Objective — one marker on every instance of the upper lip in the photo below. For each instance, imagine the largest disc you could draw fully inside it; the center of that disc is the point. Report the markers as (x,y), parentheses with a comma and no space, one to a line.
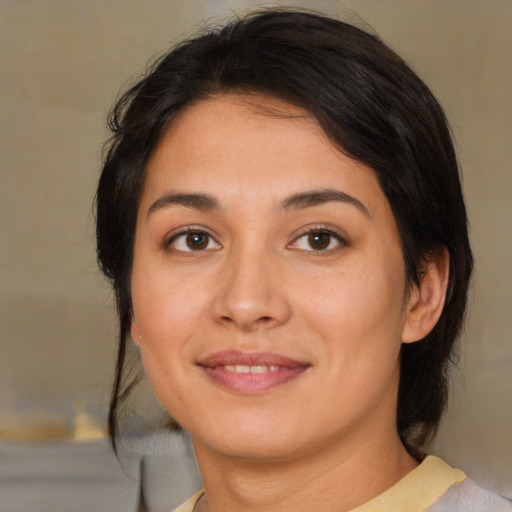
(236,357)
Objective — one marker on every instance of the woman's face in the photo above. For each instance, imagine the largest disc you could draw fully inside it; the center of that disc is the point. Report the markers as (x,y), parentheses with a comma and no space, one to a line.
(268,283)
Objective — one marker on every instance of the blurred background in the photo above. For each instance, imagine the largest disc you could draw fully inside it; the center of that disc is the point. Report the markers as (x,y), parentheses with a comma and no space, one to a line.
(62,65)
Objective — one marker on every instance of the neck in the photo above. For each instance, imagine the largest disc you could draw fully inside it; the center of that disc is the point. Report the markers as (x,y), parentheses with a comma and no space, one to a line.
(337,478)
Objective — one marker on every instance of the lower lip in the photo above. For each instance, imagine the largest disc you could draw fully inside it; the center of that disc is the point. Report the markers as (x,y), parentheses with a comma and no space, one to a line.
(252,383)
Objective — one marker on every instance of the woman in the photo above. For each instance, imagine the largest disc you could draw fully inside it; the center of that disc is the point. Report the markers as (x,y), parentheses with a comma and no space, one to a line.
(281,217)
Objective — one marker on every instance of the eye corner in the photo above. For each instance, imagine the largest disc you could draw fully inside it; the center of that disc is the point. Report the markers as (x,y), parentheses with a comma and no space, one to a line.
(191,241)
(318,240)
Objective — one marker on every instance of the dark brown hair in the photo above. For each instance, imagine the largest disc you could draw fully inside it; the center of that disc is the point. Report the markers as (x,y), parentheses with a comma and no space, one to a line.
(371,105)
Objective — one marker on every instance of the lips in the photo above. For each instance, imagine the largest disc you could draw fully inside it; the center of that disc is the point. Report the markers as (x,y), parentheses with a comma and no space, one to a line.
(251,372)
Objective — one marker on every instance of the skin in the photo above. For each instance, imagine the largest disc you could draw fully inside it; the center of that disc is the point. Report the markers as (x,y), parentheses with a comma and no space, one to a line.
(258,284)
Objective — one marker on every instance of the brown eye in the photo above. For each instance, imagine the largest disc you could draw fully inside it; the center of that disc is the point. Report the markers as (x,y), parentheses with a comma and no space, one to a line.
(197,241)
(193,241)
(319,241)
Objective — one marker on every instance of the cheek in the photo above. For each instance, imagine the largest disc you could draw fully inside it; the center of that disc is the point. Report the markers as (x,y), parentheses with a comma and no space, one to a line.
(167,315)
(171,309)
(358,312)
(161,296)
(358,298)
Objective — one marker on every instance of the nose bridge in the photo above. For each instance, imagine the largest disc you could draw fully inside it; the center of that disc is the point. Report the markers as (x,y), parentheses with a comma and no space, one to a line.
(250,293)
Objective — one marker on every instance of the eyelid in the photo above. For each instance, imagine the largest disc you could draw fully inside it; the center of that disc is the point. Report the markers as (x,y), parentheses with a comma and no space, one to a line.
(186,230)
(323,229)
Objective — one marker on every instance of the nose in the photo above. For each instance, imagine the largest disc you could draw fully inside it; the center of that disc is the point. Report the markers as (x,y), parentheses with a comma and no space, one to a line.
(251,295)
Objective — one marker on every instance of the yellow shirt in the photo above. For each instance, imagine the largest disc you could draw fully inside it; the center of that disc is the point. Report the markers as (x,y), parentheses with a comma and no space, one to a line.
(416,492)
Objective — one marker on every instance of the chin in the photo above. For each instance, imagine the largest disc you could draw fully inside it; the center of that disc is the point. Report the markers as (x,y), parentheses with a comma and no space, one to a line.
(255,448)
(247,437)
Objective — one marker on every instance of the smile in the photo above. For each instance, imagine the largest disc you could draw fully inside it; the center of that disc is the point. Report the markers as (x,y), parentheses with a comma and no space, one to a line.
(249,372)
(260,368)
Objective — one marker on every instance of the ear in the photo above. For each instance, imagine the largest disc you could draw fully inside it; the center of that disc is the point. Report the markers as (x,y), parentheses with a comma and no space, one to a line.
(136,337)
(426,301)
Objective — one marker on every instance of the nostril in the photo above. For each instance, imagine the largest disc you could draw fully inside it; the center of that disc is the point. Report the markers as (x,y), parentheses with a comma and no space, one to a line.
(265,320)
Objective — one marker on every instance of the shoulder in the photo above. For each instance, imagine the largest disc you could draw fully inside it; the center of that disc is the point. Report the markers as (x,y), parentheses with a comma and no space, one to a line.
(467,496)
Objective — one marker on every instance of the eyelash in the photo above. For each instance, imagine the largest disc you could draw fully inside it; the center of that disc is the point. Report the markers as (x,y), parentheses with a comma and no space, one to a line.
(190,231)
(321,230)
(308,232)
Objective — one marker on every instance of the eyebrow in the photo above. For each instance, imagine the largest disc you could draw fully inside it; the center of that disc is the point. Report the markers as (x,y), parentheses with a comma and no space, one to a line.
(299,201)
(313,198)
(203,202)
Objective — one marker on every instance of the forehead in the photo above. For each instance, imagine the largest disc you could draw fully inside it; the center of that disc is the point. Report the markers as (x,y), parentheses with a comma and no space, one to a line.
(251,145)
(220,127)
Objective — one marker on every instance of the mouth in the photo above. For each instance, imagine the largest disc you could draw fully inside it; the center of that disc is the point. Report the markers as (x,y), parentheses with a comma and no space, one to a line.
(257,368)
(251,372)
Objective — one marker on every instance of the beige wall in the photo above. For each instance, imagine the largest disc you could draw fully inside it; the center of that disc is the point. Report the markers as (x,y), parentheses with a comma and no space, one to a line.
(62,64)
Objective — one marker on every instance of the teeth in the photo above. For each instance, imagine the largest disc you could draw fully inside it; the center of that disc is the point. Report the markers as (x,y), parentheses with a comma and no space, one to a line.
(259,368)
